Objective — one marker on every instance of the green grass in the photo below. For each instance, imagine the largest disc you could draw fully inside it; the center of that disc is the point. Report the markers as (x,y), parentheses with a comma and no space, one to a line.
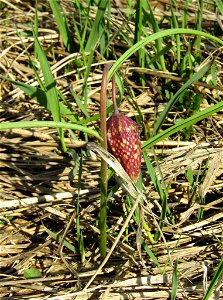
(49,124)
(216,277)
(175,279)
(62,24)
(153,44)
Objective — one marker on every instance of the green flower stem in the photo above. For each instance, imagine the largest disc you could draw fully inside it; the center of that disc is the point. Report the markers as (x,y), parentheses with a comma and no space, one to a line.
(104,177)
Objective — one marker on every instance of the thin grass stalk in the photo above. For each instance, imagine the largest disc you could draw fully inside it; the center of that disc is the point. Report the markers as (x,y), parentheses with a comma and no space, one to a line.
(36,23)
(162,191)
(86,76)
(104,177)
(183,124)
(175,279)
(81,31)
(159,41)
(185,15)
(138,35)
(216,277)
(160,34)
(205,68)
(199,25)
(175,24)
(79,232)
(164,203)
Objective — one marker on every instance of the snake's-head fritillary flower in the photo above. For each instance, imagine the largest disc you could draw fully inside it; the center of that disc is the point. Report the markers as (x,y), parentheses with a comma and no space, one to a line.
(124,143)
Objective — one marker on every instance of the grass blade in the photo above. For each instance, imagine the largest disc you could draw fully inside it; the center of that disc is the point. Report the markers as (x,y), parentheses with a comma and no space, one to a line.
(170,104)
(217,275)
(50,85)
(174,281)
(51,91)
(98,26)
(153,176)
(62,25)
(219,5)
(49,124)
(177,38)
(154,37)
(162,194)
(183,124)
(41,97)
(159,41)
(79,103)
(152,256)
(57,237)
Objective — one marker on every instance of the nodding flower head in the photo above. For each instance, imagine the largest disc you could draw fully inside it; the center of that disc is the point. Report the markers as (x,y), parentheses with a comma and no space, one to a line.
(124,143)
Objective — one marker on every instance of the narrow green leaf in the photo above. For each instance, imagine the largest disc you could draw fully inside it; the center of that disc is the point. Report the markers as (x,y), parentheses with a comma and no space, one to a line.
(190,176)
(51,90)
(152,256)
(153,176)
(178,42)
(41,97)
(79,103)
(183,124)
(36,21)
(217,275)
(32,91)
(50,124)
(86,76)
(219,5)
(154,37)
(138,21)
(62,25)
(174,281)
(159,41)
(185,14)
(170,104)
(214,73)
(57,237)
(98,26)
(50,85)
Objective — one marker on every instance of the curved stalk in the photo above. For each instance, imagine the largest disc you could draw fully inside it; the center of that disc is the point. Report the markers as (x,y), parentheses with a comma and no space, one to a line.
(49,124)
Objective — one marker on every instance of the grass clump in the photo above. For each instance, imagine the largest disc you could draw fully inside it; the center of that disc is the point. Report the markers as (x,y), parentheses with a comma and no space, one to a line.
(164,233)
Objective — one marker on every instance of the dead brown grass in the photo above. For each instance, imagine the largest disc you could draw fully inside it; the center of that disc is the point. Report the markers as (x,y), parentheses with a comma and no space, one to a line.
(38,199)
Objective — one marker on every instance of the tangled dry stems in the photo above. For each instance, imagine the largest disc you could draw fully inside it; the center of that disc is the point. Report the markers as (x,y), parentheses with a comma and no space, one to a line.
(38,198)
